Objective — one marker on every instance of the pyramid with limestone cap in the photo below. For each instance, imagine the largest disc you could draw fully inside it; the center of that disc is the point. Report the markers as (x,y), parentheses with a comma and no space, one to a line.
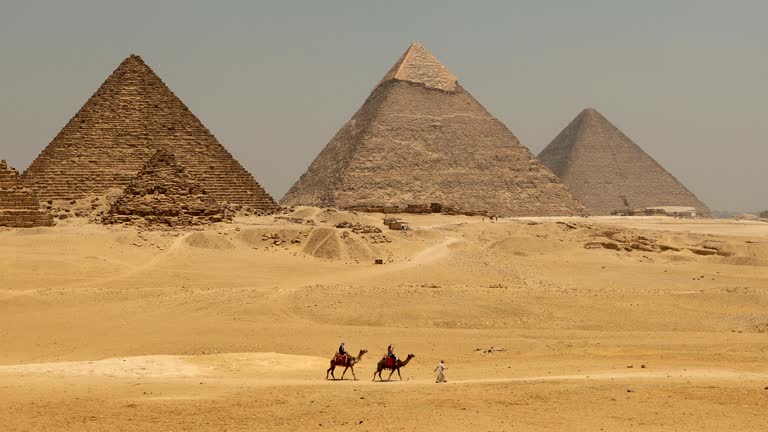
(163,193)
(118,129)
(420,138)
(19,206)
(608,172)
(419,66)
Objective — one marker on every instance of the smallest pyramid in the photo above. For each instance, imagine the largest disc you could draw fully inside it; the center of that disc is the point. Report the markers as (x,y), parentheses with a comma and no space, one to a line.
(418,65)
(19,207)
(162,193)
(608,172)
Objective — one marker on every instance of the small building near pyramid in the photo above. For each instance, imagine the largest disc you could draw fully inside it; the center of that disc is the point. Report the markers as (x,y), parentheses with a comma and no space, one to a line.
(19,207)
(164,194)
(422,141)
(611,174)
(116,132)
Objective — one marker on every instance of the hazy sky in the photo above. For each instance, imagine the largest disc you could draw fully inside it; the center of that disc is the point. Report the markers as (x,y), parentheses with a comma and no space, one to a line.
(686,80)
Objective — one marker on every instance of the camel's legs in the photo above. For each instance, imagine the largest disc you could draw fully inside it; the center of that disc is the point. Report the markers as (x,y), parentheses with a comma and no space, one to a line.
(345,371)
(377,371)
(330,369)
(353,373)
(398,374)
(390,374)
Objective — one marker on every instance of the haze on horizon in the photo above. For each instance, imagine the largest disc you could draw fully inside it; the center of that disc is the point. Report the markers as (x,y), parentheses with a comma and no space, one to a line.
(274,81)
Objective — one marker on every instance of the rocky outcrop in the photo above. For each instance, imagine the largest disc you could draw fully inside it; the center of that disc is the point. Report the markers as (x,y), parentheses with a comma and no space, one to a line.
(164,194)
(120,127)
(19,206)
(610,173)
(420,138)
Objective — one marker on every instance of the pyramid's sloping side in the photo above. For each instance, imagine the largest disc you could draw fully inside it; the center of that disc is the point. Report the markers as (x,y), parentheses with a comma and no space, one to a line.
(410,144)
(108,141)
(607,171)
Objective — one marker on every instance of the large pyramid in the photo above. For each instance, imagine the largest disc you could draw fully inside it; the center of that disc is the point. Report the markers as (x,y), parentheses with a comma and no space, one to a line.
(163,193)
(18,205)
(421,138)
(608,172)
(114,134)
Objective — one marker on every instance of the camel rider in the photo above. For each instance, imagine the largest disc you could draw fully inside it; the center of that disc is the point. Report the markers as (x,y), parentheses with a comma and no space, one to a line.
(391,353)
(342,351)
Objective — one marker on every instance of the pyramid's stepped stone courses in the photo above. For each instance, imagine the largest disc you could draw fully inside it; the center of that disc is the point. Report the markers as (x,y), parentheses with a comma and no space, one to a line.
(111,138)
(415,142)
(609,172)
(19,206)
(163,193)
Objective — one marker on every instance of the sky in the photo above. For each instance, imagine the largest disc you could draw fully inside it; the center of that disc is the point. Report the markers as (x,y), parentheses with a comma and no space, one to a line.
(275,80)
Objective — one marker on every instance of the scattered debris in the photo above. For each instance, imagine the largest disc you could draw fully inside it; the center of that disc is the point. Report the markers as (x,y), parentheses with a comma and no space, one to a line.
(359,228)
(568,226)
(296,220)
(490,350)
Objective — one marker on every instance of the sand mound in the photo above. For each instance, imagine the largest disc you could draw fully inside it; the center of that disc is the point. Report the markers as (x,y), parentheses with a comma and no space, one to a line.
(511,245)
(33,231)
(127,238)
(323,243)
(126,367)
(744,260)
(208,240)
(305,212)
(330,243)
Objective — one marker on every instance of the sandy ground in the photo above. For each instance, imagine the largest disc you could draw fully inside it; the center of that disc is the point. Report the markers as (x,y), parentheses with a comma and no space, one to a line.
(231,328)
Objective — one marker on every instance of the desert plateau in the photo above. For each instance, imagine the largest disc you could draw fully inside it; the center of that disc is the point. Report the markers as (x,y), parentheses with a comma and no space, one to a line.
(581,324)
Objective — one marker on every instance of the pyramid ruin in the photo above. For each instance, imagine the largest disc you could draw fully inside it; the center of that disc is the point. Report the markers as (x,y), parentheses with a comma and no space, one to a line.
(19,207)
(420,138)
(118,129)
(608,172)
(164,194)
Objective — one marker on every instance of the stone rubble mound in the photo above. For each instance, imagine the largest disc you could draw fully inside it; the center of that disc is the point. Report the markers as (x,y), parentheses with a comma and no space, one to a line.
(629,241)
(163,193)
(19,207)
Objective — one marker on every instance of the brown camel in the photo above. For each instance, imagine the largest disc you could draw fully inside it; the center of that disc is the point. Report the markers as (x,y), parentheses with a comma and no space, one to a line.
(349,362)
(398,364)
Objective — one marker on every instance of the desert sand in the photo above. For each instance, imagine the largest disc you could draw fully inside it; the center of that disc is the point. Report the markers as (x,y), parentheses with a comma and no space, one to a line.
(232,327)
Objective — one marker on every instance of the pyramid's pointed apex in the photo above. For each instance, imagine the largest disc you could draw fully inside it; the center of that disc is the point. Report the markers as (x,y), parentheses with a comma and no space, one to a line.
(593,113)
(133,62)
(418,65)
(132,59)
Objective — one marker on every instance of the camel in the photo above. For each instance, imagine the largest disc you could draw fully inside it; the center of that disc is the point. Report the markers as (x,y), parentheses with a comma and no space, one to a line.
(398,364)
(348,363)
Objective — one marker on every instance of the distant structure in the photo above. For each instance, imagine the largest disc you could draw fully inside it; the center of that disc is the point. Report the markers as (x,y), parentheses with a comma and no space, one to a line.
(19,207)
(118,129)
(609,173)
(673,211)
(164,194)
(420,139)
